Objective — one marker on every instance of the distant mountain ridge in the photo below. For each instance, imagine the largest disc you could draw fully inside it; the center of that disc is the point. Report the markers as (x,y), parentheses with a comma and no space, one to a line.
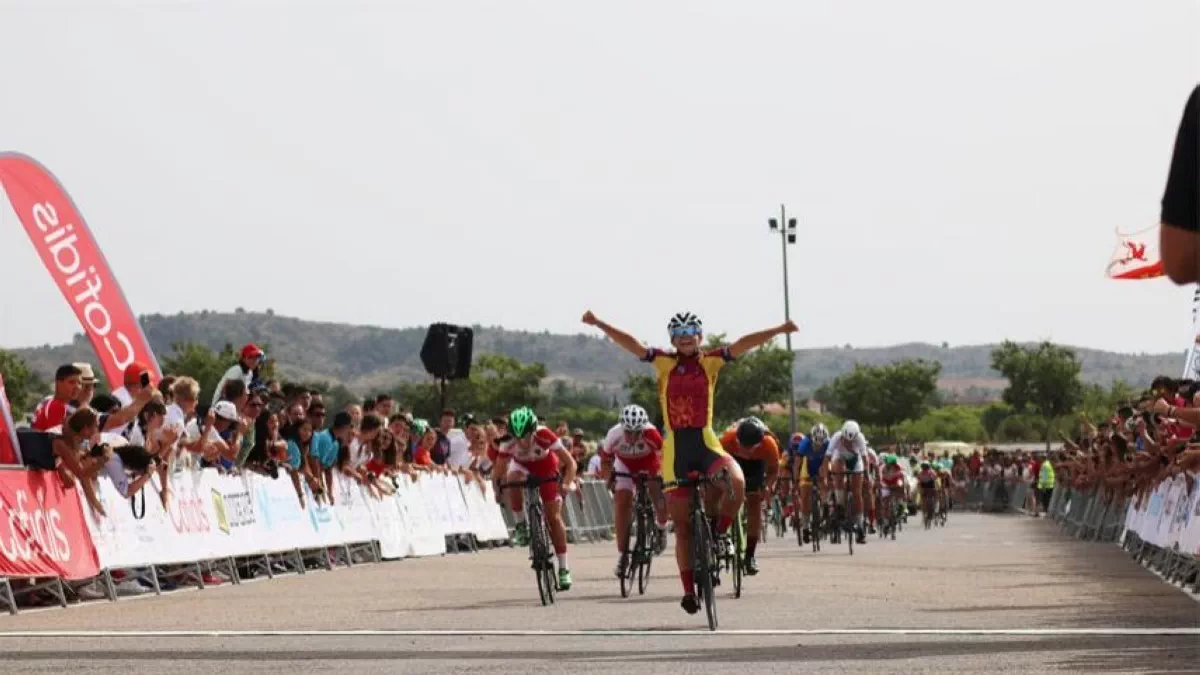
(368,358)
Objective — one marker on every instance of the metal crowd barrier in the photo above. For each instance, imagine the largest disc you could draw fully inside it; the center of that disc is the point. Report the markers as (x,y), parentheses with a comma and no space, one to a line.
(1099,515)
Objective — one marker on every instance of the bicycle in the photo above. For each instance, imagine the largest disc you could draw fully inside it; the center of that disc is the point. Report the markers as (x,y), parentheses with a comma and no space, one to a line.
(734,560)
(644,533)
(817,519)
(844,512)
(777,518)
(541,553)
(705,556)
(928,501)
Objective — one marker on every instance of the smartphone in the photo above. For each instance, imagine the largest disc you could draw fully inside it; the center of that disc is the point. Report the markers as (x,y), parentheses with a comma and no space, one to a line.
(145,379)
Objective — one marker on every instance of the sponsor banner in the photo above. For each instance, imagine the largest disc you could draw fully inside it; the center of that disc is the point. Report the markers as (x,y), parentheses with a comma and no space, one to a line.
(209,515)
(1169,517)
(71,256)
(42,531)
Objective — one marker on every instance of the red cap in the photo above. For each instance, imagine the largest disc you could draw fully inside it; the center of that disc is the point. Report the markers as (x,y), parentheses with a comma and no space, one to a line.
(133,372)
(251,351)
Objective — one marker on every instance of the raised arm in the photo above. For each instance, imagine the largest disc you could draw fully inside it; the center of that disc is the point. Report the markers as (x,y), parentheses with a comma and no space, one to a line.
(624,340)
(748,342)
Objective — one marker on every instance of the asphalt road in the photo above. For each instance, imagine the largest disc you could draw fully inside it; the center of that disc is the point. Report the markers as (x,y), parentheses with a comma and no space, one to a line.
(996,573)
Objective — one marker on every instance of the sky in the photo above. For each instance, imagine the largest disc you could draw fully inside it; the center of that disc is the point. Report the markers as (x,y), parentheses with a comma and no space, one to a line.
(958,169)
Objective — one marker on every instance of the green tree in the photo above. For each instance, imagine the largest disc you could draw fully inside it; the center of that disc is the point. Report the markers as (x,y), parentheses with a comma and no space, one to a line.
(952,423)
(1042,379)
(22,386)
(992,417)
(497,384)
(642,389)
(884,396)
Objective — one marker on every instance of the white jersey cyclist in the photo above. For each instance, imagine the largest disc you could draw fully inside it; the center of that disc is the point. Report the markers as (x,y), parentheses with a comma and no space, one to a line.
(634,452)
(852,451)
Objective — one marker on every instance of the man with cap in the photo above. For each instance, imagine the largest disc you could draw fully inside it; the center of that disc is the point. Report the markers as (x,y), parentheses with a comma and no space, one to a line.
(222,433)
(245,369)
(137,380)
(87,384)
(118,419)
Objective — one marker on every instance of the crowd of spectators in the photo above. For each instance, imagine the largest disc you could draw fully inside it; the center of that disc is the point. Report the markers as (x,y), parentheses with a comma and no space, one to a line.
(259,425)
(1142,444)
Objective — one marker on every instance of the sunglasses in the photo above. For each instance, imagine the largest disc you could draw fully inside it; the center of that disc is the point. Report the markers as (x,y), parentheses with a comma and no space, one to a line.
(685,331)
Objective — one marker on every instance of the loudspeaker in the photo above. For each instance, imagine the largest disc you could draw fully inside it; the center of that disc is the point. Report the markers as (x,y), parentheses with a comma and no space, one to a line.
(446,353)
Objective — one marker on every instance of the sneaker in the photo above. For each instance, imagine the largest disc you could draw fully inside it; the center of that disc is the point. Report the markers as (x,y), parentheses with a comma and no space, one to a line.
(860,536)
(91,591)
(750,567)
(690,604)
(564,579)
(521,534)
(622,566)
(131,587)
(871,528)
(807,533)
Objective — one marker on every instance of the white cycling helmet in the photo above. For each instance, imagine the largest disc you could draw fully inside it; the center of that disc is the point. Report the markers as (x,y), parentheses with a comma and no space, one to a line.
(684,320)
(851,431)
(634,418)
(819,433)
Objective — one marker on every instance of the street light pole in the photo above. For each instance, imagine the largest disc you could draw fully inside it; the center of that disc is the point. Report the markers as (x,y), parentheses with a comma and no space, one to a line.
(787,235)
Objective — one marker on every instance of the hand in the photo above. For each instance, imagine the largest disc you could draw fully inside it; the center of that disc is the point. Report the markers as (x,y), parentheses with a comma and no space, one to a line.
(145,395)
(210,418)
(789,327)
(1161,407)
(590,319)
(243,425)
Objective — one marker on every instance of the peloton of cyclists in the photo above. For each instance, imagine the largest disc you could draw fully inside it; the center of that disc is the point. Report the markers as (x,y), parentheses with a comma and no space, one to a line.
(633,446)
(687,380)
(756,451)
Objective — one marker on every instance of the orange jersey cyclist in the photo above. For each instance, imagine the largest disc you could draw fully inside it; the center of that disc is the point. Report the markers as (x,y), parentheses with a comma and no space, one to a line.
(756,451)
(687,380)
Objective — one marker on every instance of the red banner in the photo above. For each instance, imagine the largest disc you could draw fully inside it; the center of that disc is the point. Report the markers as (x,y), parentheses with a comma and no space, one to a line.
(10,450)
(70,254)
(42,531)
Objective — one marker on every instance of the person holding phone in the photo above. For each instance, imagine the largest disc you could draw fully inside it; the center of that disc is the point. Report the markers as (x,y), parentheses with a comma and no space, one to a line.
(246,369)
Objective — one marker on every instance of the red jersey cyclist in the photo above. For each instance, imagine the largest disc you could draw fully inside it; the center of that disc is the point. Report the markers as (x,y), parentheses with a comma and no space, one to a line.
(533,450)
(632,447)
(687,380)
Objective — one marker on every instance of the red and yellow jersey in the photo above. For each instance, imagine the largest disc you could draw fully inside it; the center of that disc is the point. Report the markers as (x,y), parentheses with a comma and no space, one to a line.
(767,451)
(686,385)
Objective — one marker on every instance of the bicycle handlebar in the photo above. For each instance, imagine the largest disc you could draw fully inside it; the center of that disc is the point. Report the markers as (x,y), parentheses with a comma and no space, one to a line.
(638,476)
(530,481)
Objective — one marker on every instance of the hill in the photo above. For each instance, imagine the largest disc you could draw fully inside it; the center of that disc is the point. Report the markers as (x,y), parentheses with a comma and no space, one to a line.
(367,358)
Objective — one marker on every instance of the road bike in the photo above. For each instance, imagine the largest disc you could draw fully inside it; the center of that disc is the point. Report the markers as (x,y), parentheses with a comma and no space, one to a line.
(541,552)
(644,533)
(705,555)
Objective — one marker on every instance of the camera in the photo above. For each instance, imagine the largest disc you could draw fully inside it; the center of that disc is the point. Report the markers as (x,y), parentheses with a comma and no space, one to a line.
(145,379)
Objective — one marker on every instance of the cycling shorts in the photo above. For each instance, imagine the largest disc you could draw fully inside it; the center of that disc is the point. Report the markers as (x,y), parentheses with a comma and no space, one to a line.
(755,471)
(853,462)
(928,484)
(634,465)
(810,468)
(546,467)
(688,450)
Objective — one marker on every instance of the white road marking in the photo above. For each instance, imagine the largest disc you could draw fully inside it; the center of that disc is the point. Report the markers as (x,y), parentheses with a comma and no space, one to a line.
(597,633)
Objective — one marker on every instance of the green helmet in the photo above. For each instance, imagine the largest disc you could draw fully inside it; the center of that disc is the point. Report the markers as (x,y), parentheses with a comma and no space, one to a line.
(890,459)
(522,421)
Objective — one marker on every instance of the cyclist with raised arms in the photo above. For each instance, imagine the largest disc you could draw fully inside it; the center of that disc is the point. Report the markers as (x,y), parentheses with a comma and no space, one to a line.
(687,380)
(847,454)
(756,451)
(810,457)
(533,450)
(631,447)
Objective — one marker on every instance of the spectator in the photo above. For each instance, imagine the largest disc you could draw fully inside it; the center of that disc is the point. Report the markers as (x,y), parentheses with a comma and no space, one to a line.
(368,405)
(137,385)
(427,440)
(87,385)
(245,370)
(181,413)
(76,458)
(299,445)
(324,450)
(577,447)
(56,408)
(315,396)
(593,465)
(441,450)
(254,408)
(270,448)
(477,438)
(459,454)
(356,414)
(165,388)
(224,437)
(383,406)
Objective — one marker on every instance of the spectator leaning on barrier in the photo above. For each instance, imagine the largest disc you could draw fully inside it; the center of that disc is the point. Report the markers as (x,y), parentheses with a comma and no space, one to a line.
(54,409)
(245,370)
(76,458)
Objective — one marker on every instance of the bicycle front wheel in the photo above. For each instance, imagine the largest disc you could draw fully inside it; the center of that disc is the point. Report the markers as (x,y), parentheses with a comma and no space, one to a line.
(738,558)
(702,565)
(645,550)
(539,553)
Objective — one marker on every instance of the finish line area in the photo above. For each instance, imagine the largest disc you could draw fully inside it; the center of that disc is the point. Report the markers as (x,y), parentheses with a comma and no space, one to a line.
(986,594)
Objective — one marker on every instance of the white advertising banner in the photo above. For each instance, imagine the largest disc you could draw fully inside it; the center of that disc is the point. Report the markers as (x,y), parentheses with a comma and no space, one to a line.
(211,515)
(1169,516)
